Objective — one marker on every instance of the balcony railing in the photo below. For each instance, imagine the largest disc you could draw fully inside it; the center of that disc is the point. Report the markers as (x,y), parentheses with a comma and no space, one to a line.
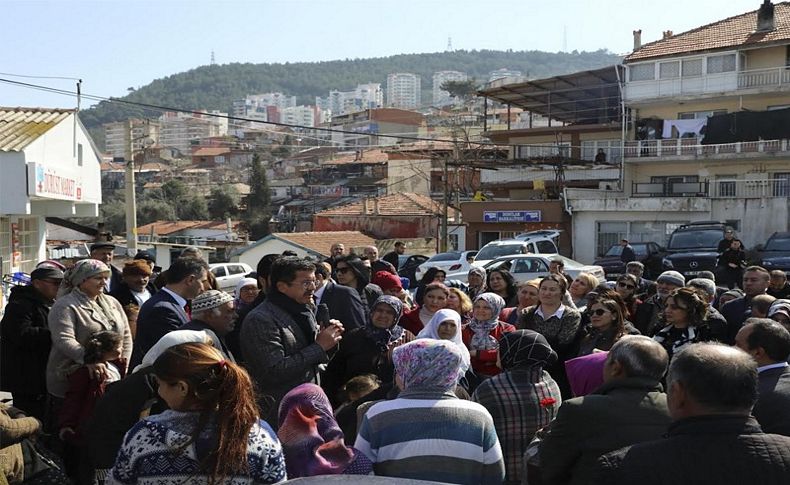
(691,148)
(669,189)
(715,189)
(758,78)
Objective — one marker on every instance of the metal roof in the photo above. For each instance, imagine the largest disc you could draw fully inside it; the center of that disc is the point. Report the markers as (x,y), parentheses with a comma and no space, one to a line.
(19,127)
(581,97)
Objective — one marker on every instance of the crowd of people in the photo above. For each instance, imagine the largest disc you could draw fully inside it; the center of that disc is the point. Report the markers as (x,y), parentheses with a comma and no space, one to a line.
(143,376)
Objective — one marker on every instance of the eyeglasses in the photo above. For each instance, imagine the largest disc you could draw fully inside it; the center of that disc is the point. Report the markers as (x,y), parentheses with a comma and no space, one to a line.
(250,289)
(623,285)
(343,270)
(306,284)
(599,312)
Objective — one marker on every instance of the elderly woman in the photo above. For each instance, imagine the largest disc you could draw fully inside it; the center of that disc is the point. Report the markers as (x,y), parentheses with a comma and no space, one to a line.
(427,433)
(607,326)
(684,316)
(367,350)
(435,299)
(527,297)
(523,398)
(482,334)
(83,310)
(245,294)
(581,286)
(312,441)
(476,279)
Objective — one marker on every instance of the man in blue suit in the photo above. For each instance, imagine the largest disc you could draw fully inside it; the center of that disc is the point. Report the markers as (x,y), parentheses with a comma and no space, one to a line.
(167,309)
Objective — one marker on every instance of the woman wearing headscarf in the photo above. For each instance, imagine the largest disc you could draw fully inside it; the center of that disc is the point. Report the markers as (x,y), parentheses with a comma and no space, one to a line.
(83,310)
(483,332)
(435,299)
(446,325)
(367,350)
(523,398)
(312,441)
(245,294)
(456,443)
(476,282)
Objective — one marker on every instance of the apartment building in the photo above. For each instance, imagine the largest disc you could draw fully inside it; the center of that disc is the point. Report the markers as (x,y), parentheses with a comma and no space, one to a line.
(441,97)
(116,136)
(364,96)
(403,90)
(708,135)
(180,130)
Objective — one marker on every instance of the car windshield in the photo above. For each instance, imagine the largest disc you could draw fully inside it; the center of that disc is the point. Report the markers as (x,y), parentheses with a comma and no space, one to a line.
(495,251)
(697,239)
(451,256)
(617,250)
(778,244)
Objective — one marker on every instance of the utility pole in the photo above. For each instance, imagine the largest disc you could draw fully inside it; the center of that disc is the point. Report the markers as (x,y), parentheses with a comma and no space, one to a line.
(131,202)
(445,199)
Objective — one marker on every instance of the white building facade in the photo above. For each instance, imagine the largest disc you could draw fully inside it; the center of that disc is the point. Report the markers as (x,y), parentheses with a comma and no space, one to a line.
(441,97)
(403,90)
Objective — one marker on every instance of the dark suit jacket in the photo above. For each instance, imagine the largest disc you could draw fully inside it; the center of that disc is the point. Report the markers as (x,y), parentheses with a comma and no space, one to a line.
(773,404)
(619,413)
(158,316)
(736,312)
(116,278)
(345,305)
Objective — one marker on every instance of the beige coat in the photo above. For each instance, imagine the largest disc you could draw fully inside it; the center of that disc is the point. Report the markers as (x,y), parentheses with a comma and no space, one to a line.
(72,320)
(14,427)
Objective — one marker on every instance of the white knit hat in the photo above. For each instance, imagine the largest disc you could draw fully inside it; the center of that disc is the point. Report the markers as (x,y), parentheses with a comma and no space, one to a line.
(209,300)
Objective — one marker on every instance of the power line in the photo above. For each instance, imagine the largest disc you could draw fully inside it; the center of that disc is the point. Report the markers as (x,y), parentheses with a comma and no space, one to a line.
(28,76)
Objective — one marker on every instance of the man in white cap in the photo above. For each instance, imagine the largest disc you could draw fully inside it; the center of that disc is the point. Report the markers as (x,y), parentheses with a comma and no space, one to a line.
(213,310)
(648,313)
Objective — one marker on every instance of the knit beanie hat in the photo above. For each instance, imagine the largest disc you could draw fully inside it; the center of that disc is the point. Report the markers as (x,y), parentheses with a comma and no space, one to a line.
(673,278)
(209,300)
(387,281)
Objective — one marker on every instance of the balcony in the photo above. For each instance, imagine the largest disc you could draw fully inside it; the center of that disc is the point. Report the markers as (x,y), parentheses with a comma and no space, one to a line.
(669,189)
(690,148)
(716,189)
(774,79)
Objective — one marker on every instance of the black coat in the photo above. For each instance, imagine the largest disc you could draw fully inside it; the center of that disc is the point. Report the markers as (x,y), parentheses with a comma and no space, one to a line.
(24,342)
(773,405)
(158,316)
(721,450)
(345,305)
(736,312)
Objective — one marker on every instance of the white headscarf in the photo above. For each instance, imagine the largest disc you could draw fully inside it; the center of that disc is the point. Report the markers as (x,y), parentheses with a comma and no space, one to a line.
(177,337)
(431,330)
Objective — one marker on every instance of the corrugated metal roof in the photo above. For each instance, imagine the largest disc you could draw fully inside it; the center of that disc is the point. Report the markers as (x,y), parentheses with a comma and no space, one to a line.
(19,127)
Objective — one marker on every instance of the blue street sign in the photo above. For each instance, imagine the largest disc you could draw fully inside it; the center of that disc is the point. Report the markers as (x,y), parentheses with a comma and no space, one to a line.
(511,216)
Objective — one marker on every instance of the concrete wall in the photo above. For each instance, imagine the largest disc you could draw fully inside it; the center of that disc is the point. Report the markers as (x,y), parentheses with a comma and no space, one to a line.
(759,217)
(276,246)
(766,58)
(670,108)
(409,176)
(381,227)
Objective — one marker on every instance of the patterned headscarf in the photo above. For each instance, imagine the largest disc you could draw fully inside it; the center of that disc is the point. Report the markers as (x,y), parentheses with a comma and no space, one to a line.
(384,336)
(477,290)
(524,349)
(82,270)
(481,339)
(431,330)
(428,365)
(312,441)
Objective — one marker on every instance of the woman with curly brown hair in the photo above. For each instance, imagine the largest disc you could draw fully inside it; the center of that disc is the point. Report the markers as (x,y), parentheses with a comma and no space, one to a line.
(607,326)
(211,434)
(684,316)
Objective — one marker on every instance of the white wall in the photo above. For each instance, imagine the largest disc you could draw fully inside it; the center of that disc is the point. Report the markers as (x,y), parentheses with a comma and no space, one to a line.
(759,217)
(276,246)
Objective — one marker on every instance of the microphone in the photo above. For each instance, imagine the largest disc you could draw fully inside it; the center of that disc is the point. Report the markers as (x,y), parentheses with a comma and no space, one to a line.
(322,315)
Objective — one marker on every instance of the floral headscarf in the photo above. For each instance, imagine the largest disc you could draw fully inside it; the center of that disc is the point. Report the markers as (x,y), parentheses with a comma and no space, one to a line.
(312,441)
(474,291)
(431,330)
(525,349)
(384,336)
(82,270)
(428,365)
(481,338)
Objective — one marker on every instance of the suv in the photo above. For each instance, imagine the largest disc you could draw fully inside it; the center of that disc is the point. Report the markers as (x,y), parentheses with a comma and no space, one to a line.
(648,253)
(537,242)
(229,274)
(776,252)
(693,248)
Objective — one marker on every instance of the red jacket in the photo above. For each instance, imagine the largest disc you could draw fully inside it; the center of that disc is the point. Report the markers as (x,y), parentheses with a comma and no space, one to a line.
(485,360)
(411,321)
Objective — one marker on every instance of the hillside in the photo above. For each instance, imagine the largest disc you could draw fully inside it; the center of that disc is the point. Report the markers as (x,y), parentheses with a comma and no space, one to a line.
(215,87)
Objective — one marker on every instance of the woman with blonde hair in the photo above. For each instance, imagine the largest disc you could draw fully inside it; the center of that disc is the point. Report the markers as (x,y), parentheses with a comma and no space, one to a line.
(460,302)
(581,286)
(211,434)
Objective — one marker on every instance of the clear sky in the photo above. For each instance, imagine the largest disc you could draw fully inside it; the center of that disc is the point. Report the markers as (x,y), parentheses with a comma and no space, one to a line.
(115,44)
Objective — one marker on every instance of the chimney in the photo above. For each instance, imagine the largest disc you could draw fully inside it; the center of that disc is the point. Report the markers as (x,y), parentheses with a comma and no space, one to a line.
(667,34)
(765,17)
(637,39)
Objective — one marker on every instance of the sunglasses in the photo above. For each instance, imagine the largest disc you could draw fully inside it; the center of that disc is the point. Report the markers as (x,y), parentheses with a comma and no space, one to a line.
(343,270)
(599,312)
(623,285)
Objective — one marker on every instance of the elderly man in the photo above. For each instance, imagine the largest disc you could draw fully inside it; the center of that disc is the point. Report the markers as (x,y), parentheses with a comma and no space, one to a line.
(712,439)
(760,305)
(779,288)
(376,264)
(648,315)
(706,288)
(213,311)
(104,252)
(630,401)
(755,282)
(637,269)
(768,342)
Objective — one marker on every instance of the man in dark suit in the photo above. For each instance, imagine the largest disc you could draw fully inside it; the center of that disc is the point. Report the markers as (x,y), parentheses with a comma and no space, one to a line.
(167,309)
(343,302)
(628,254)
(755,282)
(768,342)
(711,389)
(104,251)
(628,408)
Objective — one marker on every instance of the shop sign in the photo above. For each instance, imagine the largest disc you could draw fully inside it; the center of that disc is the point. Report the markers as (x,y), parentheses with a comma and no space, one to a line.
(53,183)
(512,216)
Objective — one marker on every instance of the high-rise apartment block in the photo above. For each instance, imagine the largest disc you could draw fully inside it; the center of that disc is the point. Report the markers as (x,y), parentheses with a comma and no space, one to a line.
(403,90)
(179,130)
(116,136)
(441,97)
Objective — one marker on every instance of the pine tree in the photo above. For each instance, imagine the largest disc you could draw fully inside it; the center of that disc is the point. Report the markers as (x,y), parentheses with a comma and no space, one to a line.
(258,211)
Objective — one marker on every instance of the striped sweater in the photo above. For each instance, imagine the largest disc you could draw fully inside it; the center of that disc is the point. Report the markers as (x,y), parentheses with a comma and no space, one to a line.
(432,436)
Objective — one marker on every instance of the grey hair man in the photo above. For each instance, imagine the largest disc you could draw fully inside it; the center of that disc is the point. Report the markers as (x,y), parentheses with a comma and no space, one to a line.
(713,438)
(716,322)
(630,401)
(213,310)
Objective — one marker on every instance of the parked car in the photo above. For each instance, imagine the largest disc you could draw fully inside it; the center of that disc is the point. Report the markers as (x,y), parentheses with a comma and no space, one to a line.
(229,274)
(648,253)
(407,265)
(776,252)
(525,267)
(450,261)
(693,248)
(526,244)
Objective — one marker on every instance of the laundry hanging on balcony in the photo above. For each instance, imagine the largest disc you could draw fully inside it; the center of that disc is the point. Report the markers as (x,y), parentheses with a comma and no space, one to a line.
(685,128)
(748,126)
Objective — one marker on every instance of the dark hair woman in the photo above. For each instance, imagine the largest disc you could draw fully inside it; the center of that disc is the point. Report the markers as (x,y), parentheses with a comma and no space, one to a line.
(731,264)
(211,434)
(626,287)
(607,325)
(684,317)
(432,275)
(434,299)
(501,282)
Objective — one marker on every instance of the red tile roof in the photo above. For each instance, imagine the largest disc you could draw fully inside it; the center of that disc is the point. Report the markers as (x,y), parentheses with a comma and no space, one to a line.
(210,152)
(163,228)
(368,157)
(728,33)
(320,242)
(403,204)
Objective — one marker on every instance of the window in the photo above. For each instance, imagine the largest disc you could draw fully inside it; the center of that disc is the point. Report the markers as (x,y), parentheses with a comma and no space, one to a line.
(525,152)
(726,187)
(692,68)
(723,63)
(5,245)
(236,269)
(219,271)
(79,154)
(610,233)
(669,70)
(643,72)
(610,147)
(546,247)
(782,185)
(28,243)
(691,115)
